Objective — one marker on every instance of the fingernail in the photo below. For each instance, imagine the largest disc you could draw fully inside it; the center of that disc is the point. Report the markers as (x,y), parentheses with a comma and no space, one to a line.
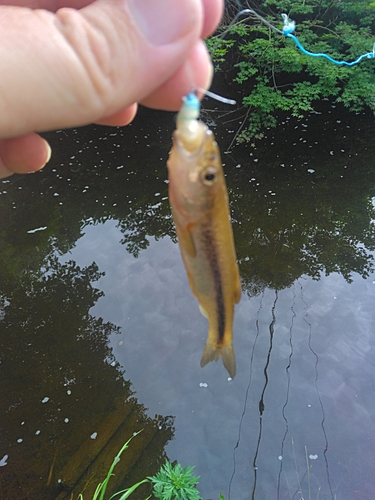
(210,75)
(49,152)
(163,21)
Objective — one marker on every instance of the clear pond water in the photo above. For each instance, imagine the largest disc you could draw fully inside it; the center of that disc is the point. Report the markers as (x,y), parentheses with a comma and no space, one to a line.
(101,337)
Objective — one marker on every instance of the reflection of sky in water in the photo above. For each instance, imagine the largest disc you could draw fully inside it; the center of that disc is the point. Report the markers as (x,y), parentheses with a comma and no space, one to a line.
(304,355)
(305,358)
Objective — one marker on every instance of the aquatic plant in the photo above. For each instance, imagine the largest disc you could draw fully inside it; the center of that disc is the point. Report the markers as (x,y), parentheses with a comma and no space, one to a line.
(300,494)
(175,483)
(102,487)
(170,483)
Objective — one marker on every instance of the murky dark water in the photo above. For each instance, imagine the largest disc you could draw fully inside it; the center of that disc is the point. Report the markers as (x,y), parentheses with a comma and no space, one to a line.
(100,336)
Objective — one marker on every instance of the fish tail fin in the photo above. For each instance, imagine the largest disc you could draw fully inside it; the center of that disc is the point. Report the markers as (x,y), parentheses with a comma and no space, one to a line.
(213,353)
(229,361)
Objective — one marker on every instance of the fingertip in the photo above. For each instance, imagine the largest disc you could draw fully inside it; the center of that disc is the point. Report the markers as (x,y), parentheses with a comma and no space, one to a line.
(4,172)
(213,12)
(196,72)
(24,154)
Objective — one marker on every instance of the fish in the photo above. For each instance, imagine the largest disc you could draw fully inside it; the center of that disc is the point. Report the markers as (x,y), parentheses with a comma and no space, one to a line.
(200,208)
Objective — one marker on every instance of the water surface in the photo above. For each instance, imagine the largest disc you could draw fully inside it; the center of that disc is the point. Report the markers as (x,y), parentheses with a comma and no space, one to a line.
(101,337)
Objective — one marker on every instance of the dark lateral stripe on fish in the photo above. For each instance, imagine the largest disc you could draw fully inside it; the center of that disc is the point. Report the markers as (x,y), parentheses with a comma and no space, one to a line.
(208,239)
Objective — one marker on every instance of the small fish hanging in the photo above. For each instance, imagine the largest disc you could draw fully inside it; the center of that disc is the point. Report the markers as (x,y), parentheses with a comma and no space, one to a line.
(199,201)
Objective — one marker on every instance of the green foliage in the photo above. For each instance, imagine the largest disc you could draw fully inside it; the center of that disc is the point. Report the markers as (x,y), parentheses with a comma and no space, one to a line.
(175,483)
(170,483)
(218,49)
(277,77)
(102,487)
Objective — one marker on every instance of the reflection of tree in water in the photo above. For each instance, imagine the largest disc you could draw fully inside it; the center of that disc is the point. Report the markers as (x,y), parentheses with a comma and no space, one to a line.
(321,228)
(309,216)
(60,384)
(287,220)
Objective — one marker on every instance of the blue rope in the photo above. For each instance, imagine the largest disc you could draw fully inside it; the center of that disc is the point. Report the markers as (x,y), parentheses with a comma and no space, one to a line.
(289,27)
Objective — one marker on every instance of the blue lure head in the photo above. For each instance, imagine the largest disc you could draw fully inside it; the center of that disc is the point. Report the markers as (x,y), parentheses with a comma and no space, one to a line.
(190,108)
(192,102)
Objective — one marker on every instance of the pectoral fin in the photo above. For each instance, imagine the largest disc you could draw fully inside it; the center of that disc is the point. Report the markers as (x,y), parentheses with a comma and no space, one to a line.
(203,311)
(185,240)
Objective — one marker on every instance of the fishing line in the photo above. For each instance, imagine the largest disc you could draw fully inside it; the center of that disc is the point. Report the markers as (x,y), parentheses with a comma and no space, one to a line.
(238,131)
(251,12)
(191,104)
(217,97)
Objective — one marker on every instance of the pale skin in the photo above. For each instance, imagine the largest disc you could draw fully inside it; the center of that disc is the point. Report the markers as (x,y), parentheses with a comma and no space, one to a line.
(66,63)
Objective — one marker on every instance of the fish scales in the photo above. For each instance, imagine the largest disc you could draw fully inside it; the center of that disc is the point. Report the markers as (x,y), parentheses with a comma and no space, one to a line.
(200,208)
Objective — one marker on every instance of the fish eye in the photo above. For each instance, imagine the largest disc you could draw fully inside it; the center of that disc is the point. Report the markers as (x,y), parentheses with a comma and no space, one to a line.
(209,175)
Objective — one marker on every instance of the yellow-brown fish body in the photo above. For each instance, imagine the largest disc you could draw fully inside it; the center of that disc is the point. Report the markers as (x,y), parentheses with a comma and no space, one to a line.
(199,201)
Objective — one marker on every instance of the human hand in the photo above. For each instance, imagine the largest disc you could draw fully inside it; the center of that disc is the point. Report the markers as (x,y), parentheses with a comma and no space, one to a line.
(66,63)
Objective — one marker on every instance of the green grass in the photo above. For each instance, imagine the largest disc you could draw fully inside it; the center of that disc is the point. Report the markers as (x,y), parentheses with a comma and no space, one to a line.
(102,487)
(300,494)
(172,482)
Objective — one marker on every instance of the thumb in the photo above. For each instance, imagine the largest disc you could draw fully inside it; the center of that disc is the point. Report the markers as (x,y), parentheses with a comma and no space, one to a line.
(74,67)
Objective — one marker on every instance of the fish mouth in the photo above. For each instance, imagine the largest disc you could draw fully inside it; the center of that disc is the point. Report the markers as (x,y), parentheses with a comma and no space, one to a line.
(191,137)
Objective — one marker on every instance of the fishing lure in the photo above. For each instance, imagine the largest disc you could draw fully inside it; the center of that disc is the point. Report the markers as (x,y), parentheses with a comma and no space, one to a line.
(199,202)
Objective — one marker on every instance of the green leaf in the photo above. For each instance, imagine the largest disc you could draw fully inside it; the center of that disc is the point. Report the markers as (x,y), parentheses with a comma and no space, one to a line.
(276,75)
(175,483)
